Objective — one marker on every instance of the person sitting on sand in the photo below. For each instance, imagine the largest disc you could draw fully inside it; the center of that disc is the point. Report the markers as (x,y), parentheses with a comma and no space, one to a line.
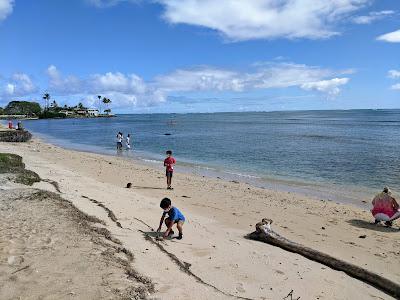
(174,217)
(169,163)
(385,208)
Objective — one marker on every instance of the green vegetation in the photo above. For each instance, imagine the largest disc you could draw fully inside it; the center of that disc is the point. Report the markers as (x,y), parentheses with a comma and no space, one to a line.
(51,109)
(11,163)
(107,102)
(48,114)
(22,108)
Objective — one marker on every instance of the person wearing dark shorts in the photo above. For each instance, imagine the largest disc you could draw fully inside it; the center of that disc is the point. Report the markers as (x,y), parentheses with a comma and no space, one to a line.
(169,163)
(174,217)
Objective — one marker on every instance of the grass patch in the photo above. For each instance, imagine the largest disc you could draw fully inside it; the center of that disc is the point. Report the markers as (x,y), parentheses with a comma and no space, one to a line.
(12,163)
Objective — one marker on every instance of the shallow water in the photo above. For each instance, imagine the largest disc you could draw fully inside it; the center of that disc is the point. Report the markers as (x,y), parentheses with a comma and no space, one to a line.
(356,149)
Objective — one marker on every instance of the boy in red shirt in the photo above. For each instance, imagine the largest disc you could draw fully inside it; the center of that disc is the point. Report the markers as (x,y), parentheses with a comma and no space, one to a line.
(169,163)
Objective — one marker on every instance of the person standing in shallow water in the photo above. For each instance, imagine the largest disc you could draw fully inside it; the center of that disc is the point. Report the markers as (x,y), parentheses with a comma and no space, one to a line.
(120,137)
(169,163)
(128,141)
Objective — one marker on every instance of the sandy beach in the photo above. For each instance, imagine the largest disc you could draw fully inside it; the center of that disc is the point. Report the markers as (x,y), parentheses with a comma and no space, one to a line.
(214,260)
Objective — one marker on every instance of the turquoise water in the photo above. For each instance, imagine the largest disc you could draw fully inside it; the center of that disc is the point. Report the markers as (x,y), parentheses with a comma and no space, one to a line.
(358,148)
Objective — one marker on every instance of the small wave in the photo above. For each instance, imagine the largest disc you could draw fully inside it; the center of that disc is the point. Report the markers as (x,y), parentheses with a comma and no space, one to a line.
(206,168)
(151,160)
(242,175)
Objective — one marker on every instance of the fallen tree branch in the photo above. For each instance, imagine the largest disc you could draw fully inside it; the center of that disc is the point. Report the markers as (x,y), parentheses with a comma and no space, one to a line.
(265,234)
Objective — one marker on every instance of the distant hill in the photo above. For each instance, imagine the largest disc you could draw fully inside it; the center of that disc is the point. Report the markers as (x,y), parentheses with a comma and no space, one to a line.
(22,108)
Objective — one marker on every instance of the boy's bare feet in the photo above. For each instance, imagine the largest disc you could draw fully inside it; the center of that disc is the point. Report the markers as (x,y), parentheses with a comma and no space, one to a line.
(388,223)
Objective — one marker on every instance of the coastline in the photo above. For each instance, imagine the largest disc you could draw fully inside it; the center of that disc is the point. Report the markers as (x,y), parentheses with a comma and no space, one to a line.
(357,196)
(220,213)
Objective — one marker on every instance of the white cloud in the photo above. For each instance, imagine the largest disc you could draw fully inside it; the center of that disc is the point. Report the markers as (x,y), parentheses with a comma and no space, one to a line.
(200,79)
(63,85)
(6,8)
(9,89)
(396,86)
(373,16)
(107,3)
(123,90)
(265,76)
(263,19)
(394,74)
(19,84)
(131,90)
(331,86)
(391,37)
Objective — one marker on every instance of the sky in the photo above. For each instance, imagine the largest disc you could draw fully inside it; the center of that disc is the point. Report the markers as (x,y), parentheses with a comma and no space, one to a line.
(183,56)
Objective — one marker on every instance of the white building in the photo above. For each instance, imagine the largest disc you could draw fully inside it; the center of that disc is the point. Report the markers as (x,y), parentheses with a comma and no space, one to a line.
(92,112)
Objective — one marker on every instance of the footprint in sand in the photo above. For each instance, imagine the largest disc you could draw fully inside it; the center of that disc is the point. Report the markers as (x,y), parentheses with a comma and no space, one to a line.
(240,287)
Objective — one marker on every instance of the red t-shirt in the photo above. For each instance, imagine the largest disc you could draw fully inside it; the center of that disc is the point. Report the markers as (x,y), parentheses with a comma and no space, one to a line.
(169,163)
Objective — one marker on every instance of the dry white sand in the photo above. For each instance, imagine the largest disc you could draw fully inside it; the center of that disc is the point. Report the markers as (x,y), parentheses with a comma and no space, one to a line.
(219,214)
(51,250)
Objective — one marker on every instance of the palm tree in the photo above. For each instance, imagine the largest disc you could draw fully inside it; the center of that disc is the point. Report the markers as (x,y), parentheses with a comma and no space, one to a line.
(54,104)
(46,98)
(99,96)
(107,102)
(80,105)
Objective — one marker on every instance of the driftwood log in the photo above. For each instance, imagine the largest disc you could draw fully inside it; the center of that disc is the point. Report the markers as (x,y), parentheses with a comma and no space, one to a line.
(265,234)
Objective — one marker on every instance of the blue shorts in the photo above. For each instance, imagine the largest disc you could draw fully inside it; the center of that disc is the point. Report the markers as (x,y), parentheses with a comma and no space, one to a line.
(169,173)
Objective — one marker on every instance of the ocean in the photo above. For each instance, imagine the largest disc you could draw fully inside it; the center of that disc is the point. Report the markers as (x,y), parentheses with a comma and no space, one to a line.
(331,154)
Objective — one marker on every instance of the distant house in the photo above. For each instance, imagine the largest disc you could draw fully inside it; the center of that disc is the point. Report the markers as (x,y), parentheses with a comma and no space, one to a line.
(81,112)
(92,112)
(66,112)
(87,112)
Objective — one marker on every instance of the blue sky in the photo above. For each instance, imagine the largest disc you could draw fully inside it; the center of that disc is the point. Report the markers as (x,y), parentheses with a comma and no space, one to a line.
(202,55)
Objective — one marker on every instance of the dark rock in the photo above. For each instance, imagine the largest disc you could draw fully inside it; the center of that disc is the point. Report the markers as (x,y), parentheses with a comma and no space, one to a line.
(15,136)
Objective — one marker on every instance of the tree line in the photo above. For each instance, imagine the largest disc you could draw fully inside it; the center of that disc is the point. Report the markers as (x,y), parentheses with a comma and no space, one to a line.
(51,108)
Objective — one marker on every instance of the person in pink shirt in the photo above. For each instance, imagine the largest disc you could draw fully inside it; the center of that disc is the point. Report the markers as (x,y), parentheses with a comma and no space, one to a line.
(385,208)
(169,163)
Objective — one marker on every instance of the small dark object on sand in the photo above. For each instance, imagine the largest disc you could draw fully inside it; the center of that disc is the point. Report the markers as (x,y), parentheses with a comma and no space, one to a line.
(109,163)
(362,236)
(323,228)
(128,185)
(183,196)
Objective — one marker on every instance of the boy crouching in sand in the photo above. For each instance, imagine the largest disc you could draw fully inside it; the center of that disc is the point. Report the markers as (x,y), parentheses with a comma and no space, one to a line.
(174,217)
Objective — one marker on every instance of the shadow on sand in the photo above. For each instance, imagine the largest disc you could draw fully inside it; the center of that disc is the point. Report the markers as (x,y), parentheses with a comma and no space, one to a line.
(147,187)
(153,234)
(371,226)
